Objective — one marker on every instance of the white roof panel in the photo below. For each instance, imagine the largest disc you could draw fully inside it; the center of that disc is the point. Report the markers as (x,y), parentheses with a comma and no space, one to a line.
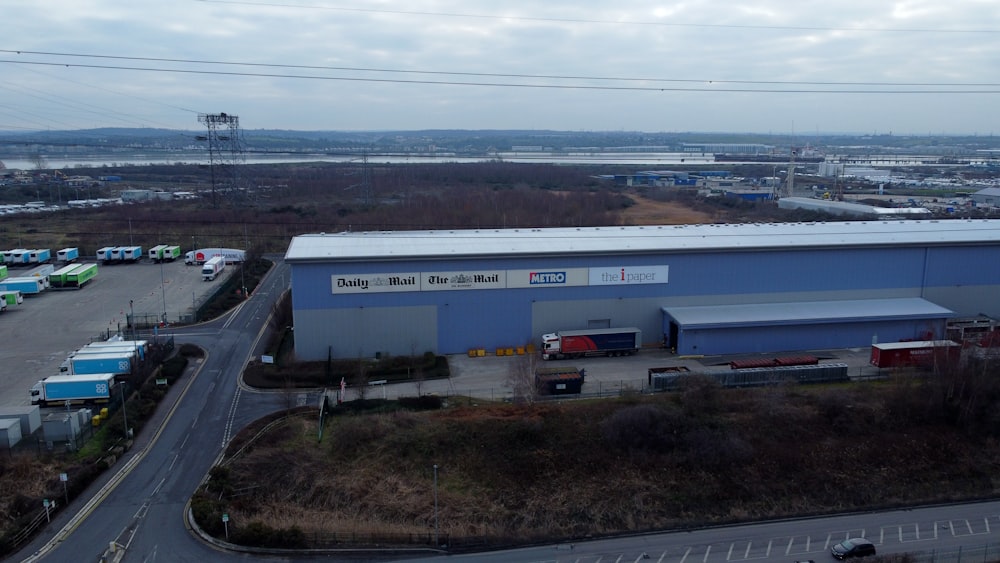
(756,314)
(402,245)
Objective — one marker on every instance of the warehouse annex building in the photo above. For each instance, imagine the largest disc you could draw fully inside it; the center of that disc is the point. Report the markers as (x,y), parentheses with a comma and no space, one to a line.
(700,289)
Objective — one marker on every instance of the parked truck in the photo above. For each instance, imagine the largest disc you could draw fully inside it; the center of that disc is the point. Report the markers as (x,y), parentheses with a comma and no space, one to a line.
(27,286)
(916,353)
(111,362)
(592,342)
(57,390)
(202,255)
(68,255)
(559,381)
(211,269)
(3,272)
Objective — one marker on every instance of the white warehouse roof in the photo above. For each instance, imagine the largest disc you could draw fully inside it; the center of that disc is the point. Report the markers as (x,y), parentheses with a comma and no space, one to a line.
(444,244)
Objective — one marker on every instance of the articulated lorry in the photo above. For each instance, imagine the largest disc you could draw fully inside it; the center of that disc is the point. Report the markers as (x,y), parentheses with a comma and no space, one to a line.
(202,255)
(57,390)
(593,342)
(211,269)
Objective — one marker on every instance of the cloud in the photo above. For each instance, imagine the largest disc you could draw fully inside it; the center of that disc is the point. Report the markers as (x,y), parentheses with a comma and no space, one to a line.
(696,65)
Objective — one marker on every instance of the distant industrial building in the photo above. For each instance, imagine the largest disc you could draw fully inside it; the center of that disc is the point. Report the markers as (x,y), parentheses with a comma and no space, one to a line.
(699,289)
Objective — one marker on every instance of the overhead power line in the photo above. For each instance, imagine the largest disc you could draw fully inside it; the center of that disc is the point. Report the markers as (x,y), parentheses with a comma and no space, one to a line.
(656,23)
(709,85)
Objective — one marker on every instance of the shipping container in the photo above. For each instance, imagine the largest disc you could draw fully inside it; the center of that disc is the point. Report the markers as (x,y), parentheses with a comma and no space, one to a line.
(917,353)
(559,381)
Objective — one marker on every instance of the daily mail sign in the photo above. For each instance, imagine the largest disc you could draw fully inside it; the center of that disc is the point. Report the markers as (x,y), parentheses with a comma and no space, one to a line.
(376,283)
(629,275)
(446,281)
(497,279)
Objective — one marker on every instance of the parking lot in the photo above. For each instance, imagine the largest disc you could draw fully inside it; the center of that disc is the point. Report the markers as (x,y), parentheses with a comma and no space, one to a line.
(39,333)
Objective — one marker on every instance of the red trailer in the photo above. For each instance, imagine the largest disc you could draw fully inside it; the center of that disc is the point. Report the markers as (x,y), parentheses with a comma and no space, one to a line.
(918,353)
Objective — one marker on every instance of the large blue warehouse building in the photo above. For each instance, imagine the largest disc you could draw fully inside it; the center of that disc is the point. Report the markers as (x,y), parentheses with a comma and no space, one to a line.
(701,289)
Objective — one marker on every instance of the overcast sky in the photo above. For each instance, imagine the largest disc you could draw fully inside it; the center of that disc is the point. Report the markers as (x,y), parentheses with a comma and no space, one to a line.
(802,66)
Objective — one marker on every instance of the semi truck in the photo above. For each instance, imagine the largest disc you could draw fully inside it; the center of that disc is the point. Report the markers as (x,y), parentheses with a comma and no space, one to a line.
(212,268)
(68,255)
(202,255)
(592,342)
(916,353)
(111,362)
(57,390)
(27,286)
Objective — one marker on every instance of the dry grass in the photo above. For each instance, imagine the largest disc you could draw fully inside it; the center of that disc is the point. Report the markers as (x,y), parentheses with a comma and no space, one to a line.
(562,471)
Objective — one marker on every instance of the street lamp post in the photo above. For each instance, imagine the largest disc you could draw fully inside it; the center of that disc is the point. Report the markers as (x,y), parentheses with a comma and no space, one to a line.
(131,317)
(436,536)
(163,291)
(124,414)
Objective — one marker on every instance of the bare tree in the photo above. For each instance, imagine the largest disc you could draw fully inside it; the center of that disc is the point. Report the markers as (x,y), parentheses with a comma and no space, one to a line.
(521,378)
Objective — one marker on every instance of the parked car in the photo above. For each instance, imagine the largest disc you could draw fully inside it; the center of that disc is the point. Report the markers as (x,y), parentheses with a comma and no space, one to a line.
(854,547)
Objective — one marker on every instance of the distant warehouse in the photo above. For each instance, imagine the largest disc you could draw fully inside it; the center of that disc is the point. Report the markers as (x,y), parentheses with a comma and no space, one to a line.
(700,289)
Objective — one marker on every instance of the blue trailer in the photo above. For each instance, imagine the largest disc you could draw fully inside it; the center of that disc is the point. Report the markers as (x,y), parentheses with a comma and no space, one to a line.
(27,286)
(57,390)
(104,254)
(40,256)
(68,255)
(17,257)
(119,363)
